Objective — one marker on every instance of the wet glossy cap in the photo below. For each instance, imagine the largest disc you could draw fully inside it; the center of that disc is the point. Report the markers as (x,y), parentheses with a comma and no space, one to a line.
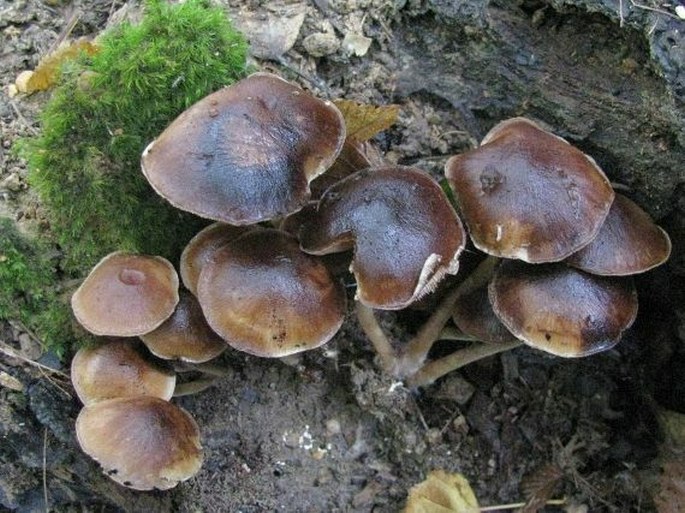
(185,335)
(628,243)
(562,310)
(246,153)
(266,297)
(200,249)
(119,368)
(126,295)
(405,234)
(527,194)
(141,442)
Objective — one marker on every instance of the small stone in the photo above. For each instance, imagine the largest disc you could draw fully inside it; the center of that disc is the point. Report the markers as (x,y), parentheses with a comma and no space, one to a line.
(434,436)
(30,349)
(356,44)
(333,427)
(12,183)
(321,44)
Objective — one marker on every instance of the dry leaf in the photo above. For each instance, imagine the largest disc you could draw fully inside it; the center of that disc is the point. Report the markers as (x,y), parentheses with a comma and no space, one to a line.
(442,493)
(539,486)
(45,74)
(364,121)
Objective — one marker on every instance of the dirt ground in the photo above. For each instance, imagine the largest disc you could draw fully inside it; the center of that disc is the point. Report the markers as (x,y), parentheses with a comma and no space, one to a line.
(328,432)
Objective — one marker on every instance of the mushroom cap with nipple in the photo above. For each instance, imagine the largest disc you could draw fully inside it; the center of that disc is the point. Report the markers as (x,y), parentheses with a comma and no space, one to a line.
(126,295)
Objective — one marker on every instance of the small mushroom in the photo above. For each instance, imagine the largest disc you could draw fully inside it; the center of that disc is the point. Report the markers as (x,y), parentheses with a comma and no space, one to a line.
(246,153)
(562,310)
(628,243)
(200,249)
(405,234)
(266,297)
(185,335)
(118,368)
(141,442)
(527,194)
(126,295)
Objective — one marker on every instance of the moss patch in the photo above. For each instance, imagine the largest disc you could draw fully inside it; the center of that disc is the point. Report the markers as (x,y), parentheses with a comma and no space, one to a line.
(106,109)
(29,288)
(85,165)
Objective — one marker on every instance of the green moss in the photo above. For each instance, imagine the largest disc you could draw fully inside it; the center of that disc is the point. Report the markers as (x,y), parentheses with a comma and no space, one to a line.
(106,109)
(85,165)
(29,288)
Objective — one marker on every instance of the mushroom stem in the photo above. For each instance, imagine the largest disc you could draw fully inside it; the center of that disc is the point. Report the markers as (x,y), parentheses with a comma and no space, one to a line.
(369,324)
(454,333)
(206,368)
(193,387)
(438,368)
(417,349)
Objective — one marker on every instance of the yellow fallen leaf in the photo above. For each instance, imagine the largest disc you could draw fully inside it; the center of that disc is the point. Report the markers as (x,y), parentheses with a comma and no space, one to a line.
(442,493)
(363,121)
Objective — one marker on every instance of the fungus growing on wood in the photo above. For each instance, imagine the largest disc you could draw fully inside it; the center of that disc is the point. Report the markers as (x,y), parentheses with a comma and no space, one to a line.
(527,194)
(266,297)
(246,153)
(562,310)
(126,295)
(405,234)
(141,442)
(628,243)
(118,368)
(185,335)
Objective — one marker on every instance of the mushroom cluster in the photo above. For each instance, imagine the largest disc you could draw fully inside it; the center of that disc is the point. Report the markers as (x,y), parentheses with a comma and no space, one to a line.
(561,244)
(299,206)
(127,424)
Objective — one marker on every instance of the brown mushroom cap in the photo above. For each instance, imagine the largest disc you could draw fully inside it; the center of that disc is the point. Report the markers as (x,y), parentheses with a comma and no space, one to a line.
(200,249)
(141,442)
(245,153)
(528,194)
(119,368)
(266,297)
(473,314)
(562,310)
(406,236)
(185,335)
(126,295)
(628,243)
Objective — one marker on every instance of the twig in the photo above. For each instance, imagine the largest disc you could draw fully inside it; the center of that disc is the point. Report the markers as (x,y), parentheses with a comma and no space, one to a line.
(654,9)
(12,353)
(45,469)
(620,13)
(516,505)
(21,118)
